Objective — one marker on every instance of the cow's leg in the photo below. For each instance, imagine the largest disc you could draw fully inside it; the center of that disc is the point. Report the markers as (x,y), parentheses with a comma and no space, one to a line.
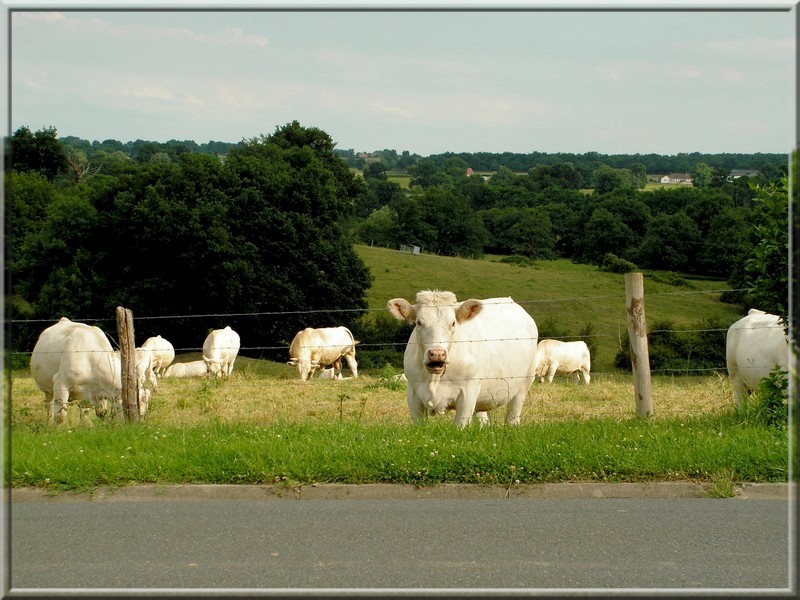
(483,418)
(551,372)
(60,399)
(514,409)
(465,404)
(415,406)
(739,389)
(49,408)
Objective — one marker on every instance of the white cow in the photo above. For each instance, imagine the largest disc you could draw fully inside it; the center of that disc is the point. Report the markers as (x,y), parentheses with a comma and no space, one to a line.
(754,346)
(163,353)
(471,356)
(219,351)
(76,361)
(195,368)
(313,349)
(555,356)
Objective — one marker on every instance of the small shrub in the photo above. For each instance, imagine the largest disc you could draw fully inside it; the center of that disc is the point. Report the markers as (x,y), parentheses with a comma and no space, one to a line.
(671,278)
(699,346)
(516,259)
(387,379)
(20,360)
(770,403)
(614,264)
(549,328)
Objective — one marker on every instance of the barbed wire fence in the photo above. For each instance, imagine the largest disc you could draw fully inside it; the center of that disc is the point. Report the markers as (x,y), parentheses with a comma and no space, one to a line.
(541,390)
(272,345)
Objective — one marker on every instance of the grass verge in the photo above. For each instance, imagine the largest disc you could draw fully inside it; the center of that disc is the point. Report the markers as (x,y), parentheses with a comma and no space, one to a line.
(716,448)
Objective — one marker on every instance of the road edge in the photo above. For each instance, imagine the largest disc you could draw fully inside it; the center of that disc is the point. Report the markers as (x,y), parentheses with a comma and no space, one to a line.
(378,491)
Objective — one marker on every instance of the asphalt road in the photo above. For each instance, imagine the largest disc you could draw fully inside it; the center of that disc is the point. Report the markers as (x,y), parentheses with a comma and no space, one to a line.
(402,546)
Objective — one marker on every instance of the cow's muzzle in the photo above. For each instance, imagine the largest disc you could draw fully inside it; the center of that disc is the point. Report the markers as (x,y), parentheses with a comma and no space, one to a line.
(436,362)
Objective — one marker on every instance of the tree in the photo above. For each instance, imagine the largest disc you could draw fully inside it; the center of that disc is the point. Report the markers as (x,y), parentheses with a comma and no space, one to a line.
(725,243)
(499,223)
(671,243)
(702,175)
(379,228)
(441,221)
(40,151)
(259,233)
(533,234)
(608,179)
(766,272)
(503,177)
(79,166)
(563,175)
(376,170)
(603,233)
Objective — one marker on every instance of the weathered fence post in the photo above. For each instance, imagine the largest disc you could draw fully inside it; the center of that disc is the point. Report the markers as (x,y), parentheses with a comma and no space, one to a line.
(127,350)
(637,335)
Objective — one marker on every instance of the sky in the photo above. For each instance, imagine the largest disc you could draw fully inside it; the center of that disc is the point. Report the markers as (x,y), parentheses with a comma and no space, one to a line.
(632,80)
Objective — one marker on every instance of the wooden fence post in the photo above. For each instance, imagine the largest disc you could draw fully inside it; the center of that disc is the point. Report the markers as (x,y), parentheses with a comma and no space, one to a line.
(637,335)
(127,348)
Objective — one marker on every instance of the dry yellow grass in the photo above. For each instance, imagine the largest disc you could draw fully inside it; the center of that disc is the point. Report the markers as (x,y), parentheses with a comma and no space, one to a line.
(264,394)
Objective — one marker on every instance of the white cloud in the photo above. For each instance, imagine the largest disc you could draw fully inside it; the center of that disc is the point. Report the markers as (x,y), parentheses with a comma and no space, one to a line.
(69,25)
(751,48)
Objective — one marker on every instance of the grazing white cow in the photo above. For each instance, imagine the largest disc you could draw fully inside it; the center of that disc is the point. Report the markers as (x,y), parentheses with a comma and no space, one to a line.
(219,351)
(471,356)
(313,349)
(163,353)
(555,356)
(186,370)
(754,346)
(75,361)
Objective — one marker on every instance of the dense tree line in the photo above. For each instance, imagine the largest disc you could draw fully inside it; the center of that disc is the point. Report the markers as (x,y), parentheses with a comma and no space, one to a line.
(588,162)
(258,232)
(545,214)
(267,225)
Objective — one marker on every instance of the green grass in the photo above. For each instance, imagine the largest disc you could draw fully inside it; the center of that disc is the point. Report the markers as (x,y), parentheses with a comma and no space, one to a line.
(560,291)
(349,452)
(264,426)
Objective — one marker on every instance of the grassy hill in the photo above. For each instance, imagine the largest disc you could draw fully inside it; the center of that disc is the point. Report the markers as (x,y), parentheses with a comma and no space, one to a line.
(558,294)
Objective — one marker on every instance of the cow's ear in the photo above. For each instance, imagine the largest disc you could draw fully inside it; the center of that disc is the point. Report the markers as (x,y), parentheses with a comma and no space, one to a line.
(402,310)
(468,309)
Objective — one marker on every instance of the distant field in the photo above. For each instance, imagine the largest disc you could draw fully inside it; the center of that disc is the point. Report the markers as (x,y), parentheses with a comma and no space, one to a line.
(568,294)
(402,179)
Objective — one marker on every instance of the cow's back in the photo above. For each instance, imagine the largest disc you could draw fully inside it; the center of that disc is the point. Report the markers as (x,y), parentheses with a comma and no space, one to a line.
(163,353)
(221,343)
(80,355)
(333,342)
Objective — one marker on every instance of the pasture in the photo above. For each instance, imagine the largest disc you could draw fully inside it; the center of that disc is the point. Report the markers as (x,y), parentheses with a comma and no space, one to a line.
(557,293)
(264,426)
